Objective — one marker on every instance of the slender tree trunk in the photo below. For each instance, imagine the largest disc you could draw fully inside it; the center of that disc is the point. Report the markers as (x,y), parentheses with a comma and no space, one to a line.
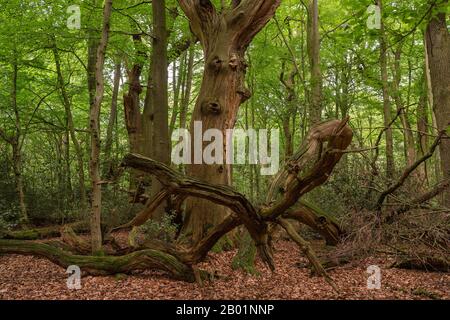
(390,163)
(435,131)
(68,169)
(108,164)
(186,99)
(94,163)
(178,82)
(17,148)
(93,43)
(71,126)
(438,49)
(313,44)
(289,85)
(410,150)
(422,128)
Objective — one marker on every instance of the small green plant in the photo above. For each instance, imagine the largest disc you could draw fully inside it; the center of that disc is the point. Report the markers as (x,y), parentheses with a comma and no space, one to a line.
(245,257)
(9,217)
(164,230)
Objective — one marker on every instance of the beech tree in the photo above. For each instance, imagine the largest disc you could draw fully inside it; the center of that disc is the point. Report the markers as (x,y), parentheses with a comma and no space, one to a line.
(438,50)
(225,35)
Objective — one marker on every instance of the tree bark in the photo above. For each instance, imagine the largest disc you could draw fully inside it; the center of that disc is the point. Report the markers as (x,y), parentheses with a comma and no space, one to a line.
(313,45)
(422,128)
(71,126)
(17,142)
(390,163)
(94,162)
(161,139)
(108,163)
(410,150)
(224,36)
(438,50)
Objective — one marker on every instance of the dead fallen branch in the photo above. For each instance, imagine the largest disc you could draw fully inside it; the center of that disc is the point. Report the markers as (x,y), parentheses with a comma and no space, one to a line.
(409,170)
(424,262)
(438,189)
(44,233)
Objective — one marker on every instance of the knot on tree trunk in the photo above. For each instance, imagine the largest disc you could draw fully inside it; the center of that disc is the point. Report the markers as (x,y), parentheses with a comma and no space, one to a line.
(211,107)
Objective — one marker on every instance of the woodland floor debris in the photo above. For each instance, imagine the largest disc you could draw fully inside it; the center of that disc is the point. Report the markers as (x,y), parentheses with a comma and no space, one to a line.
(26,277)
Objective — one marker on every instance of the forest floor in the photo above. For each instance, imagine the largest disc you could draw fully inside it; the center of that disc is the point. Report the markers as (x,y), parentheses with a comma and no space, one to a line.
(26,277)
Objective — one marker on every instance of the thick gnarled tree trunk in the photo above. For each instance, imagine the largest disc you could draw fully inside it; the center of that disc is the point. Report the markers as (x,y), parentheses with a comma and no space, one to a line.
(224,37)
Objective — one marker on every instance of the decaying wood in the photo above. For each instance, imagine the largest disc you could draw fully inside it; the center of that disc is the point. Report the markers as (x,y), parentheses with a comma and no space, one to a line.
(79,245)
(98,265)
(305,247)
(43,233)
(308,169)
(438,189)
(409,170)
(319,221)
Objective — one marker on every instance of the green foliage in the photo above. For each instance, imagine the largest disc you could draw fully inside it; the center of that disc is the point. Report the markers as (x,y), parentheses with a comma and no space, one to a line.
(351,86)
(164,230)
(245,257)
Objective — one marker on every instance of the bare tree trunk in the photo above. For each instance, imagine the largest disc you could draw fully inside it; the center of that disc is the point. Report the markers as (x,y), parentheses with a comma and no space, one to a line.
(68,170)
(390,164)
(224,36)
(438,49)
(313,44)
(435,131)
(410,150)
(94,163)
(422,128)
(178,83)
(108,164)
(186,98)
(161,142)
(17,143)
(71,126)
(289,113)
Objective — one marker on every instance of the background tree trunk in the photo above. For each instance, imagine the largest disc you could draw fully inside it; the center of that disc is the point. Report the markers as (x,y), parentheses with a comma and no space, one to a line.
(94,163)
(438,49)
(313,44)
(108,163)
(390,163)
(71,127)
(17,142)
